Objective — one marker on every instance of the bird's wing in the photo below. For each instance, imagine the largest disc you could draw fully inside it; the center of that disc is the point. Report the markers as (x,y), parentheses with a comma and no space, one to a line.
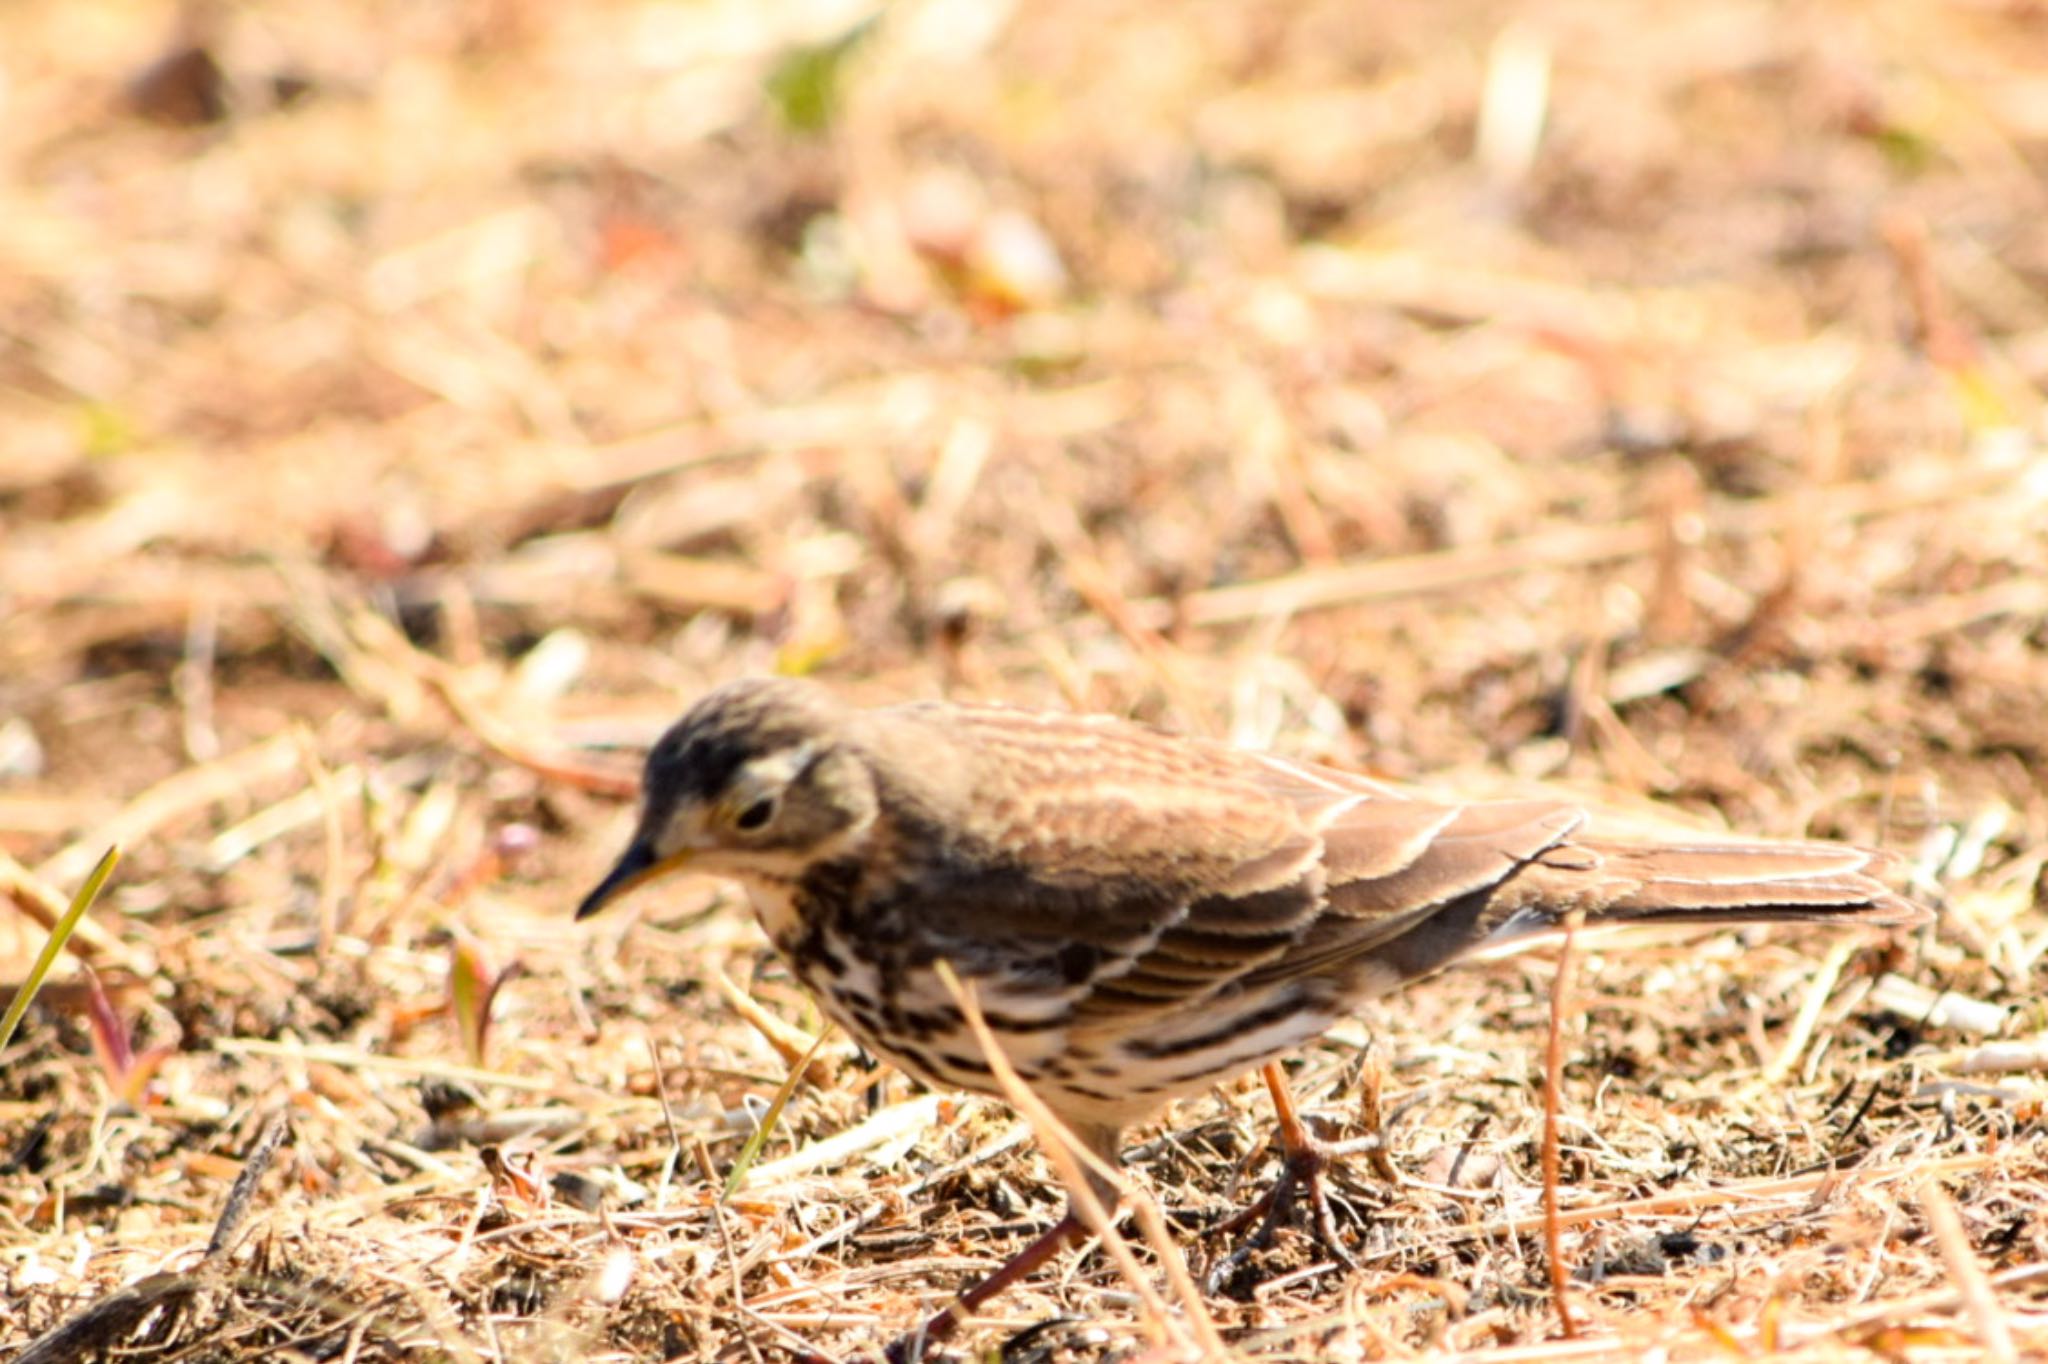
(1119,869)
(1496,873)
(1134,870)
(1408,874)
(1080,854)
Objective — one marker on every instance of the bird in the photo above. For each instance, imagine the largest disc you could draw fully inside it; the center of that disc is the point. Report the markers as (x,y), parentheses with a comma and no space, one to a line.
(1139,914)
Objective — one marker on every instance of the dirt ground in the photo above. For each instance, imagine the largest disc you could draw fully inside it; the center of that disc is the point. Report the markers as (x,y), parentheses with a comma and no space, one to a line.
(406,409)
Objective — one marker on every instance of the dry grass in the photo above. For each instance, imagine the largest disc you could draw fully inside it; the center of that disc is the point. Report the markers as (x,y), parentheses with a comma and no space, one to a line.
(404,409)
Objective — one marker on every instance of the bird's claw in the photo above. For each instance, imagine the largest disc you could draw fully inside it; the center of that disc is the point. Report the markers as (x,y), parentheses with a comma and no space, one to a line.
(1301,1181)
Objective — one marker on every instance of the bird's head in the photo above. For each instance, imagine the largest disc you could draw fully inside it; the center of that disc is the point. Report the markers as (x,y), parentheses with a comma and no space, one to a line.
(759,780)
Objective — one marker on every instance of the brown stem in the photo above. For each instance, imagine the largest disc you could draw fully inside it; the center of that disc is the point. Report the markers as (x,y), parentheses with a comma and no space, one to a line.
(1553,1078)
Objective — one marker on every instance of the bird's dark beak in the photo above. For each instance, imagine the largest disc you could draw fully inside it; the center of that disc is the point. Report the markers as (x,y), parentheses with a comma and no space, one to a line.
(637,864)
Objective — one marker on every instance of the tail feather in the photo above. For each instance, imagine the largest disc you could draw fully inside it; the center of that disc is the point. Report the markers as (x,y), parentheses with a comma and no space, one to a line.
(1705,885)
(1410,887)
(1749,883)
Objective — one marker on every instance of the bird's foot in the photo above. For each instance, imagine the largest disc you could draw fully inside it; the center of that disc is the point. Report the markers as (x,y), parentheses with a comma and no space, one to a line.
(1301,1189)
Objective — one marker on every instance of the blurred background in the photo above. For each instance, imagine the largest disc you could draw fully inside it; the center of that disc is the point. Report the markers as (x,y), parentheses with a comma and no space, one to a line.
(406,408)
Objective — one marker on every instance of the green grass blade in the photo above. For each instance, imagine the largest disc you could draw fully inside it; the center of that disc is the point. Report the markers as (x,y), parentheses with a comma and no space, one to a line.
(59,935)
(752,1150)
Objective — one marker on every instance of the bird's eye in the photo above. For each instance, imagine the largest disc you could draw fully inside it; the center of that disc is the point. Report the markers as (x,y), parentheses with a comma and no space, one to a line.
(755,816)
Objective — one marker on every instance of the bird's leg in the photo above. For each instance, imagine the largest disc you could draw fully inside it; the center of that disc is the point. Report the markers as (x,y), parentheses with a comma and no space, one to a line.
(1070,1230)
(1304,1159)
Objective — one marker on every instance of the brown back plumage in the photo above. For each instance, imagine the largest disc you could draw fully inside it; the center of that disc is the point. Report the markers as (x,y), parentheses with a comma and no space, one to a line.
(1192,865)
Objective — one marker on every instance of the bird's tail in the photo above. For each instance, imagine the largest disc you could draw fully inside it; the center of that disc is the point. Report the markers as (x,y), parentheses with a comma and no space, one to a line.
(1703,884)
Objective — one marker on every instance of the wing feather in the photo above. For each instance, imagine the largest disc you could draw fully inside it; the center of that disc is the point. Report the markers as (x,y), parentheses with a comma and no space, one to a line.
(1131,870)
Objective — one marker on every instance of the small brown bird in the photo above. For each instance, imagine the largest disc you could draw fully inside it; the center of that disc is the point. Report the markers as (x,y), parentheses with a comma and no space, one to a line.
(1139,914)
